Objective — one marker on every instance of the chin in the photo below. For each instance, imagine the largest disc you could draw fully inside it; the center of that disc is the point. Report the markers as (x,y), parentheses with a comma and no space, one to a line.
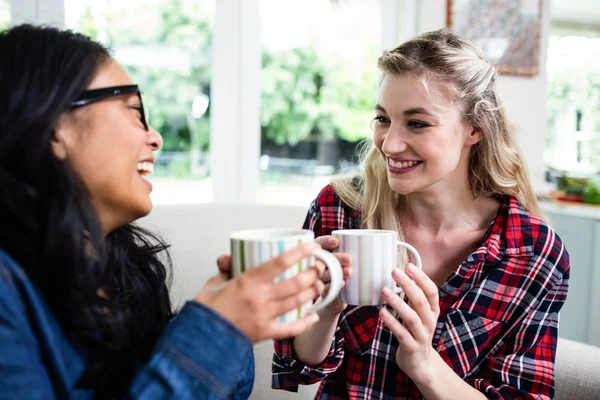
(402,191)
(143,209)
(146,210)
(401,187)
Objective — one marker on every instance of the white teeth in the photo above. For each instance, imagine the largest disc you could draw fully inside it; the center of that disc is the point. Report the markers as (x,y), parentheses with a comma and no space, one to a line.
(400,164)
(145,168)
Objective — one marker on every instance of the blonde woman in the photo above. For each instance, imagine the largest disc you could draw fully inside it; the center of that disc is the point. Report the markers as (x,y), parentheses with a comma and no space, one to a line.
(445,171)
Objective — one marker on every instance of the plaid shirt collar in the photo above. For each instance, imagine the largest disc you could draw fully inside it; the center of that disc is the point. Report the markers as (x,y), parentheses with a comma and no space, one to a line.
(508,235)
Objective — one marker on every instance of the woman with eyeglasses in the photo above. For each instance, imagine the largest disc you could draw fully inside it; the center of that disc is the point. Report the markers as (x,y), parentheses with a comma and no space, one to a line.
(84,303)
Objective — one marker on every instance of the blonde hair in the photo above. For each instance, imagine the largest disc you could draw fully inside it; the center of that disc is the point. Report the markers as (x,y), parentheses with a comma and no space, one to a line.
(496,165)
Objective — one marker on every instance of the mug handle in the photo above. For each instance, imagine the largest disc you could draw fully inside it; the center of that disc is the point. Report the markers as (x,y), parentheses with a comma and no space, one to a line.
(415,254)
(337,277)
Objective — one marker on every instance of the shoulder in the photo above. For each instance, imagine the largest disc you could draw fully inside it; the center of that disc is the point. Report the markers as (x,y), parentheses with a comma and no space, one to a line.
(330,202)
(330,197)
(549,247)
(14,287)
(544,245)
(11,273)
(330,212)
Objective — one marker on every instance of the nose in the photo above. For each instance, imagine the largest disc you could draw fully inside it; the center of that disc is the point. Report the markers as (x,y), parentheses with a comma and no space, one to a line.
(155,140)
(394,141)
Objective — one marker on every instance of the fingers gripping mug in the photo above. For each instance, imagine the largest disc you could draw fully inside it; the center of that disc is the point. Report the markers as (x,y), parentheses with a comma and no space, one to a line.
(374,257)
(252,248)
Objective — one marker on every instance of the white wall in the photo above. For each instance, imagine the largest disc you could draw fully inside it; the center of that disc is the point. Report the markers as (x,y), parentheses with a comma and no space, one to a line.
(524,98)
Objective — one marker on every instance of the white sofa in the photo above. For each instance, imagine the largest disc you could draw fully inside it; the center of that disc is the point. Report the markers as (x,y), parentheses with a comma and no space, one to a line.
(199,234)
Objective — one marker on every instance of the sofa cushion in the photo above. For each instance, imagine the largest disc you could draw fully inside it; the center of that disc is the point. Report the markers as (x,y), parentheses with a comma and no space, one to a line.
(577,371)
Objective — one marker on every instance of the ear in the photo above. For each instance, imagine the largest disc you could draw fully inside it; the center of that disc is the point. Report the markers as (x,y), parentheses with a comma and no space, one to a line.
(474,137)
(60,138)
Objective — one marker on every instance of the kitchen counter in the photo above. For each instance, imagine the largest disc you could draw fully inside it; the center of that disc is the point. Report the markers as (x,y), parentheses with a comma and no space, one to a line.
(578,225)
(581,210)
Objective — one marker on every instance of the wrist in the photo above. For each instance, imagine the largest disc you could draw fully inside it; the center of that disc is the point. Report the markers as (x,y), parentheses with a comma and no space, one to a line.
(429,371)
(330,314)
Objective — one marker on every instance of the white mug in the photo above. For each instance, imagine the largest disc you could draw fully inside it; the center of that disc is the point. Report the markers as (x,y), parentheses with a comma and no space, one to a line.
(252,248)
(374,257)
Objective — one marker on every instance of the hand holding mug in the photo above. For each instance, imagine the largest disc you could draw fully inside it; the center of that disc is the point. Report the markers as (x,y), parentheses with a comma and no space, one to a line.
(331,243)
(280,301)
(253,304)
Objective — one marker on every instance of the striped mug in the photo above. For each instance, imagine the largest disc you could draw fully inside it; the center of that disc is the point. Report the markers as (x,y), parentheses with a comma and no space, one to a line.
(374,257)
(252,248)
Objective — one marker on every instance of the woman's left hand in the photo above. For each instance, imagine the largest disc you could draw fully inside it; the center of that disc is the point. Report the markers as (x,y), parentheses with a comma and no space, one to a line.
(415,355)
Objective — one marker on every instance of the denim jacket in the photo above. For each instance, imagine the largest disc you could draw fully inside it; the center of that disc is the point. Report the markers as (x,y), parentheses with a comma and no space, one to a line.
(199,356)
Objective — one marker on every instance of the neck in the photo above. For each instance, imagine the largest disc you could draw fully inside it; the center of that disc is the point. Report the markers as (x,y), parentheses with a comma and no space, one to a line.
(449,206)
(109,220)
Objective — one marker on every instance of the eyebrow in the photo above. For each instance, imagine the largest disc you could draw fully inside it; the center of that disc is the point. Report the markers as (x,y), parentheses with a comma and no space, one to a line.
(410,111)
(417,110)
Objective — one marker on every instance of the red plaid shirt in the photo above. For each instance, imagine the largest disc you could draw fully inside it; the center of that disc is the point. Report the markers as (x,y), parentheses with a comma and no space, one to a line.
(498,321)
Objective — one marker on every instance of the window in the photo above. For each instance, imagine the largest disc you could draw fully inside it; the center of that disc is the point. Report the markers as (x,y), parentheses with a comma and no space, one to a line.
(4,14)
(319,83)
(573,108)
(166,47)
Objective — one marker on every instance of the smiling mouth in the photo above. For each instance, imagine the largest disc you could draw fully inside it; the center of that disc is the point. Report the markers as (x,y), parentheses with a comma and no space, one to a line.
(145,168)
(402,164)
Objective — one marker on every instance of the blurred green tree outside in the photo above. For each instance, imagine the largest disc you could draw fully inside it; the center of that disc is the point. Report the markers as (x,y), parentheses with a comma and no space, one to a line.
(4,14)
(173,28)
(303,97)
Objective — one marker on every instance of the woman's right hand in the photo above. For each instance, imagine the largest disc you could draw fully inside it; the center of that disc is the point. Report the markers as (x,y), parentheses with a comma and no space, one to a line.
(252,303)
(331,243)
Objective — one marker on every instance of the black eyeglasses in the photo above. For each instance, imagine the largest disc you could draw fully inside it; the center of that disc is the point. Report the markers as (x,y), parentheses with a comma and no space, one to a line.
(90,96)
